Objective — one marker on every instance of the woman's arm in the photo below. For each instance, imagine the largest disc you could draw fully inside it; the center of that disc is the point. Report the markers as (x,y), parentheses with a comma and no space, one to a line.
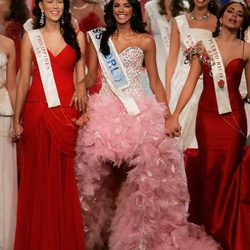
(172,58)
(150,64)
(11,84)
(90,78)
(23,83)
(173,123)
(79,97)
(87,82)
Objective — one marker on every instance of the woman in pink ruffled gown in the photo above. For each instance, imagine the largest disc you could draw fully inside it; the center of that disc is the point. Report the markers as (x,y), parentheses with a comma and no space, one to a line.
(148,211)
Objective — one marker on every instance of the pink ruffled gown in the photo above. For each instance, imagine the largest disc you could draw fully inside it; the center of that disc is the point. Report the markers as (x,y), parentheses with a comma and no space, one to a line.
(150,209)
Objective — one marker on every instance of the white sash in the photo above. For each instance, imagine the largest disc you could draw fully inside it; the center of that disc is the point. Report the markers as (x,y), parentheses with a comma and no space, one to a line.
(114,72)
(164,26)
(28,25)
(185,32)
(219,76)
(45,68)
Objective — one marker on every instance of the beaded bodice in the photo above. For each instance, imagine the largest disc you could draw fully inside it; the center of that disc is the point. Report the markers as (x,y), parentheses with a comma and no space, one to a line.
(3,65)
(132,59)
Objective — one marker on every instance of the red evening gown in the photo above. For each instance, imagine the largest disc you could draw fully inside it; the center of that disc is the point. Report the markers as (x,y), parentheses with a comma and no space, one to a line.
(49,216)
(224,163)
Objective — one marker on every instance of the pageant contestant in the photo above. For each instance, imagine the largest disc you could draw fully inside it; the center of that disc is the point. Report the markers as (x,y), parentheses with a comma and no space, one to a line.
(8,166)
(126,133)
(158,16)
(221,128)
(49,214)
(187,30)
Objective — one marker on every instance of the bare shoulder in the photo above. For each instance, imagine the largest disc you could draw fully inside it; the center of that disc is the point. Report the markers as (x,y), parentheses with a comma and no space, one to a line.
(146,41)
(213,21)
(6,41)
(97,7)
(213,17)
(7,44)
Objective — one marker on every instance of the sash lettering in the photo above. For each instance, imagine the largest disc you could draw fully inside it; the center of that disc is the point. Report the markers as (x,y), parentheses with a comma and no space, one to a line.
(163,24)
(219,76)
(45,68)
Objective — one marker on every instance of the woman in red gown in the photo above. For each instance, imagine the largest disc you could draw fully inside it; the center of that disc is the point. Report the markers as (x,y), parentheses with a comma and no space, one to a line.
(224,163)
(49,214)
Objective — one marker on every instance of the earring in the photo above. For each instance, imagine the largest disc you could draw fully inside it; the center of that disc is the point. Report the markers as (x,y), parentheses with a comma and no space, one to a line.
(62,21)
(220,27)
(42,18)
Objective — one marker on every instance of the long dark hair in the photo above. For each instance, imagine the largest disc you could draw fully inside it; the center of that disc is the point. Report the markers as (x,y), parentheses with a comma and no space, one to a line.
(213,6)
(136,23)
(67,30)
(177,7)
(18,11)
(245,23)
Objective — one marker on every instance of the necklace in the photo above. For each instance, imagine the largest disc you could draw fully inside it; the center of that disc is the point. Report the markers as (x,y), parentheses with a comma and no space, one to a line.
(205,17)
(81,7)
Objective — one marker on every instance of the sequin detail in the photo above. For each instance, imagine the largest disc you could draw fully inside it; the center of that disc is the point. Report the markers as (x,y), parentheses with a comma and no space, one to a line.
(132,59)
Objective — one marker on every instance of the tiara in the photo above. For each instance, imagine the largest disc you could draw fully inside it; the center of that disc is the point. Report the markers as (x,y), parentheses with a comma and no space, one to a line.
(238,1)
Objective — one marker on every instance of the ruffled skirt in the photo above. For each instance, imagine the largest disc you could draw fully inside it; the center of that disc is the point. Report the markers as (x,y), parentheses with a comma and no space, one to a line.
(149,211)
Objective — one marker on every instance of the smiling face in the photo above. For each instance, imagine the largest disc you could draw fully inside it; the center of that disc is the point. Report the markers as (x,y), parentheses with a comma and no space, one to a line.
(53,9)
(122,11)
(233,16)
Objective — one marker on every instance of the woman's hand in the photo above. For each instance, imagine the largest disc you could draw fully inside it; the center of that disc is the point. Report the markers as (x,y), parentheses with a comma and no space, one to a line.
(82,120)
(16,132)
(173,127)
(79,98)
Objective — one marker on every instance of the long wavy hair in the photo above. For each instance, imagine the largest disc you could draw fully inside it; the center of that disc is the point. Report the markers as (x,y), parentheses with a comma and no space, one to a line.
(177,7)
(136,23)
(67,30)
(245,23)
(213,6)
(18,11)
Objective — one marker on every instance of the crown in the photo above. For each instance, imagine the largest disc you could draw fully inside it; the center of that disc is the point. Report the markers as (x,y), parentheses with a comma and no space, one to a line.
(238,1)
